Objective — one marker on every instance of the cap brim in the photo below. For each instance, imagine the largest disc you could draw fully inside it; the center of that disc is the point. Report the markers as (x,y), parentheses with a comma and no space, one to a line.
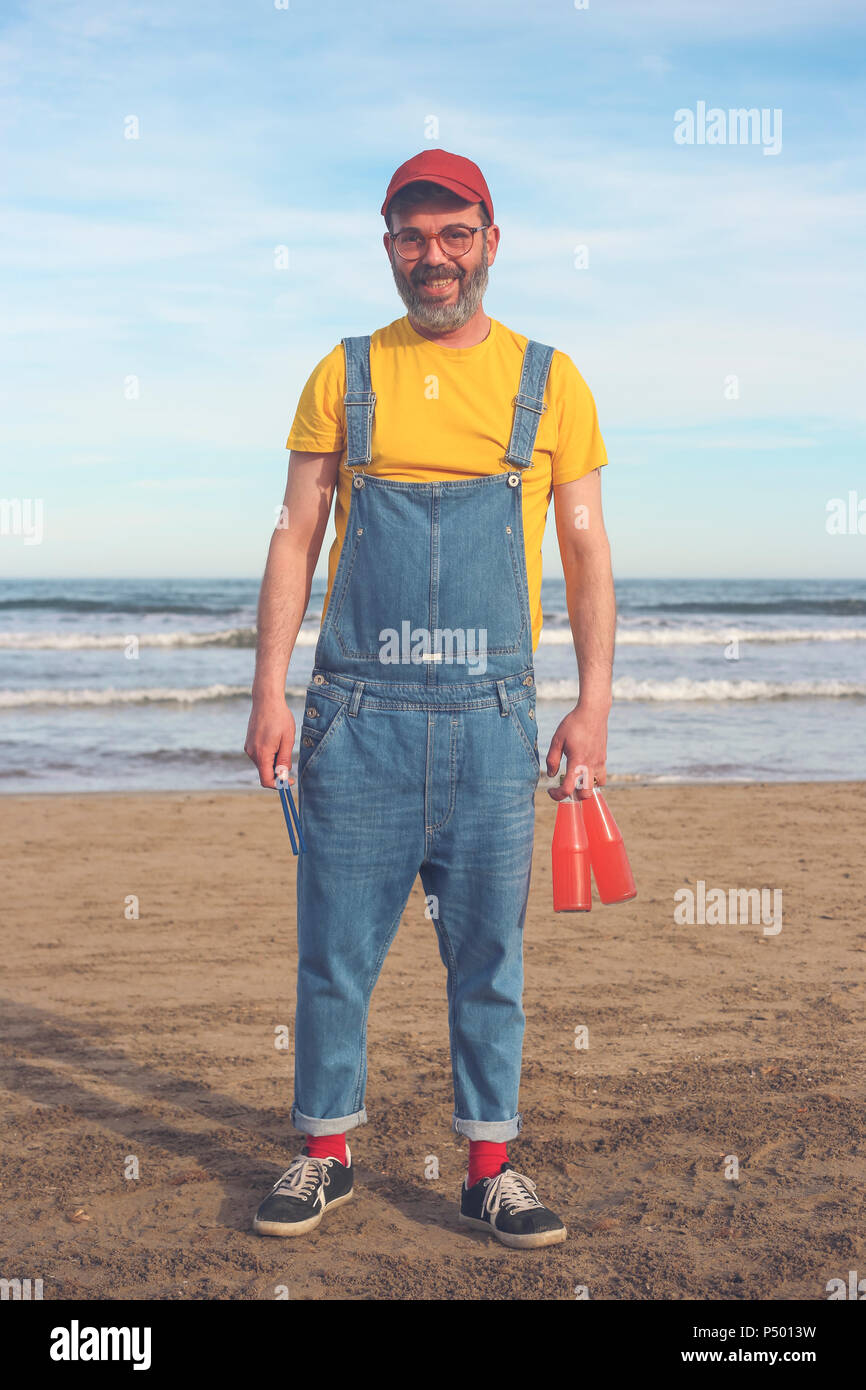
(470,195)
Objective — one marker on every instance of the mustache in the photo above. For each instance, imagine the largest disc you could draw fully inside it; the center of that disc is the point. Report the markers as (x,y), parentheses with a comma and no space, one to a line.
(421,277)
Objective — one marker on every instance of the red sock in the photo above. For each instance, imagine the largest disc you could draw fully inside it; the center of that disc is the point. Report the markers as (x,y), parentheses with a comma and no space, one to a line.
(327,1146)
(485,1159)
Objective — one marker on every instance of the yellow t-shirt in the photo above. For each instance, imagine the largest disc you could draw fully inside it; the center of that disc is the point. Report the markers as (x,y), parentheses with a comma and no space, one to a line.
(444,413)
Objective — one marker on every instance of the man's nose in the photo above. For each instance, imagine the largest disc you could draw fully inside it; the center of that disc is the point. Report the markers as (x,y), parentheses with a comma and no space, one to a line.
(433,254)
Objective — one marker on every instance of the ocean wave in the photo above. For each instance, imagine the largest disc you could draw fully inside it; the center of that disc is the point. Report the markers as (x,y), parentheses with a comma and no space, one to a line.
(245,637)
(167,695)
(95,641)
(711,636)
(186,757)
(155,603)
(831,607)
(682,689)
(625,688)
(62,604)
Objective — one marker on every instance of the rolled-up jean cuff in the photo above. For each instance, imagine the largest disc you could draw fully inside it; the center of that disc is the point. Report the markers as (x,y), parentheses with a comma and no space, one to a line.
(494,1131)
(308,1124)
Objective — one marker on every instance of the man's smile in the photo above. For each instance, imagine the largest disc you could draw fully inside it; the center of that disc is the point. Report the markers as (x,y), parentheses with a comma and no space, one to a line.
(438,285)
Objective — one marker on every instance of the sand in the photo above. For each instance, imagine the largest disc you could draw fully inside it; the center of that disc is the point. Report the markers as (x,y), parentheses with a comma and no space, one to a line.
(153,1040)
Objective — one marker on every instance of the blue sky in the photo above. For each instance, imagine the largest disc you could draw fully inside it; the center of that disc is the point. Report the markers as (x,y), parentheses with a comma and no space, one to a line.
(261,127)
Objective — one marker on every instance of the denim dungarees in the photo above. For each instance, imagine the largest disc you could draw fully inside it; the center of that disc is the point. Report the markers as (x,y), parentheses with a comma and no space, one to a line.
(419,755)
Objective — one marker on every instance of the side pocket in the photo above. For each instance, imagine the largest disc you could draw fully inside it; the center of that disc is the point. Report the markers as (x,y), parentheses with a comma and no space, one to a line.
(322,716)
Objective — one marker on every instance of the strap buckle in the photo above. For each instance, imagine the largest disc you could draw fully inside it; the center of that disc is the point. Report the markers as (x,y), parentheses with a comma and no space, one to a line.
(529,403)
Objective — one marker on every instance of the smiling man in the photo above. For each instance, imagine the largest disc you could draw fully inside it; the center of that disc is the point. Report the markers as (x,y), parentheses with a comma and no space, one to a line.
(444,437)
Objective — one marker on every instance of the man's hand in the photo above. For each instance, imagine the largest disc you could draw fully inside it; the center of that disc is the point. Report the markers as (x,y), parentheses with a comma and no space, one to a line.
(582,739)
(270,738)
(589,592)
(283,600)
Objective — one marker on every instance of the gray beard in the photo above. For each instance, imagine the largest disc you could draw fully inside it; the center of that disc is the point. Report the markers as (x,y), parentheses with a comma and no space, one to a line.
(444,317)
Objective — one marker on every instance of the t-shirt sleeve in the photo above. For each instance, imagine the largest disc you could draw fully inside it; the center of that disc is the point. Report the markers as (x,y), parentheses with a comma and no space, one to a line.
(318,426)
(579,445)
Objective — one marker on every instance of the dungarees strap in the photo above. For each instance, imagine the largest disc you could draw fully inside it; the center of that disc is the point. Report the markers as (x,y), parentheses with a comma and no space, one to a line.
(359,400)
(529,403)
(360,403)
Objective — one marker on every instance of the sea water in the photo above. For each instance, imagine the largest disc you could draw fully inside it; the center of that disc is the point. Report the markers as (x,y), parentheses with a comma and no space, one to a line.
(125,684)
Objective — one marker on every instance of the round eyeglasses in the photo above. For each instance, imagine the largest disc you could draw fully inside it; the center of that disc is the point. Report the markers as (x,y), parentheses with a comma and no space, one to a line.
(455,241)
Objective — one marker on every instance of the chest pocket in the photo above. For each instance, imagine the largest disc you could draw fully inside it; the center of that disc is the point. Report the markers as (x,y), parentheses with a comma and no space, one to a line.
(482,585)
(451,560)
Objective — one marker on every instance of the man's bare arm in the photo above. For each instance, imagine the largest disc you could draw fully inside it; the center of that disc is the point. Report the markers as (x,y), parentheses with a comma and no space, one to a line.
(285,593)
(585,552)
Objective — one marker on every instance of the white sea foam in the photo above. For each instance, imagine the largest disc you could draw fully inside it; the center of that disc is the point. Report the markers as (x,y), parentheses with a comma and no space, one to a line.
(156,695)
(97,641)
(684,689)
(626,688)
(308,636)
(710,636)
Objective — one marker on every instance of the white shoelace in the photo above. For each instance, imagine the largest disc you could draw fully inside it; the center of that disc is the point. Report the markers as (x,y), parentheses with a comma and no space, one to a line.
(301,1178)
(512,1191)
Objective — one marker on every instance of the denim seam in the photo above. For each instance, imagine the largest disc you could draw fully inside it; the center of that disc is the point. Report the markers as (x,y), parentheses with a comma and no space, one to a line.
(452,780)
(432,604)
(332,694)
(344,586)
(344,682)
(295,1112)
(521,607)
(452,1010)
(519,553)
(344,594)
(428,763)
(451,483)
(520,576)
(341,582)
(360,1077)
(425,703)
(491,702)
(402,706)
(457,1120)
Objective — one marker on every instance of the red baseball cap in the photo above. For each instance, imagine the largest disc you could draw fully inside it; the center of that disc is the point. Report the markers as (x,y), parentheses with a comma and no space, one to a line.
(452,171)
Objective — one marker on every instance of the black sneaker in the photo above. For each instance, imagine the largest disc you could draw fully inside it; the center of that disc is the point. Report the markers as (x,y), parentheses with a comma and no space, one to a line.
(295,1205)
(508,1208)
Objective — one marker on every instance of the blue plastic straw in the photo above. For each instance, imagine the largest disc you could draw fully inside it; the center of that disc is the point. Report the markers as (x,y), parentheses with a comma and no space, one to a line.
(288,801)
(296,818)
(282,791)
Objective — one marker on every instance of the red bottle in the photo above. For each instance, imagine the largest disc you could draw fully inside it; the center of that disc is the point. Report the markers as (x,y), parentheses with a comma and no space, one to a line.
(613,876)
(572,885)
